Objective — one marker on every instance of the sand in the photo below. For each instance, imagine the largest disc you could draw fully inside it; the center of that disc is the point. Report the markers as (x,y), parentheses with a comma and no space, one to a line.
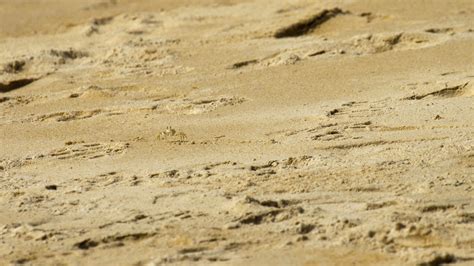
(216,132)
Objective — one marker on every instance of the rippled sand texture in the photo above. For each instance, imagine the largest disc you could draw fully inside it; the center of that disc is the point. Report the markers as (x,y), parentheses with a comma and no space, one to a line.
(253,132)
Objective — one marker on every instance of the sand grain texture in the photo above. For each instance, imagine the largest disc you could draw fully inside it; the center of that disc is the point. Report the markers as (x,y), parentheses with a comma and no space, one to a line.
(218,132)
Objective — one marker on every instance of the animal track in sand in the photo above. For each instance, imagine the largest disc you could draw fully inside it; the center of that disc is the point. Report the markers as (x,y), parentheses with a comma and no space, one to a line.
(356,46)
(14,67)
(69,54)
(111,239)
(213,174)
(88,150)
(12,101)
(68,116)
(254,212)
(268,216)
(459,90)
(467,160)
(103,180)
(359,125)
(29,232)
(145,57)
(277,59)
(6,165)
(440,30)
(379,43)
(47,61)
(197,106)
(165,106)
(94,91)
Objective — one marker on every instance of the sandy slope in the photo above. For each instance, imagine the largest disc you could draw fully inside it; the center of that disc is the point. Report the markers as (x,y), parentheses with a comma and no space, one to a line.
(236,132)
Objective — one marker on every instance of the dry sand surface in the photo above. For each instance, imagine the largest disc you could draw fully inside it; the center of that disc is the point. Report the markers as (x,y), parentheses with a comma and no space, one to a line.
(226,132)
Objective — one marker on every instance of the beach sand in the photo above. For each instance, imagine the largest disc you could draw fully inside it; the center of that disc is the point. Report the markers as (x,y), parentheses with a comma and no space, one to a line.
(225,132)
